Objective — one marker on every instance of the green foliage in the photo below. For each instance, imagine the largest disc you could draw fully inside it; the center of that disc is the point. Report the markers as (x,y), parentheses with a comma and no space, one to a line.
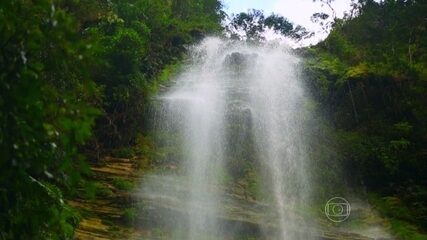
(130,214)
(138,40)
(123,184)
(46,101)
(364,91)
(104,192)
(403,220)
(95,189)
(51,50)
(124,152)
(367,78)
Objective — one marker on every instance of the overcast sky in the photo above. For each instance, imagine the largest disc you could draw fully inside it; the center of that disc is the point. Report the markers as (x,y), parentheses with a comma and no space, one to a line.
(297,11)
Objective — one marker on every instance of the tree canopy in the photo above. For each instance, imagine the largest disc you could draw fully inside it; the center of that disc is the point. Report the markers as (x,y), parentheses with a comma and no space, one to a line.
(252,25)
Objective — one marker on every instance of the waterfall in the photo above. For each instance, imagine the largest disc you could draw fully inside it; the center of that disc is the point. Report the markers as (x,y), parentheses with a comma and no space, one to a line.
(234,103)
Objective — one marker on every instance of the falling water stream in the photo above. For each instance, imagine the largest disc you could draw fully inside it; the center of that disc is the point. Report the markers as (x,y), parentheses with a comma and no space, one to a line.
(258,89)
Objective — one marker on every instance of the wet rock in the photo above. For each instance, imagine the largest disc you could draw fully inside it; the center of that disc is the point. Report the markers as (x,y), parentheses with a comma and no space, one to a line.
(237,59)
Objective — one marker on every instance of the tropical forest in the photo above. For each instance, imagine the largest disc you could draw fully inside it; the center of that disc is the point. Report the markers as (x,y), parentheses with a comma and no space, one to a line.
(198,120)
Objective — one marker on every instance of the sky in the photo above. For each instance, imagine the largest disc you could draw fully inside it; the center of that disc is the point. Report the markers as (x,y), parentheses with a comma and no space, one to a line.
(297,11)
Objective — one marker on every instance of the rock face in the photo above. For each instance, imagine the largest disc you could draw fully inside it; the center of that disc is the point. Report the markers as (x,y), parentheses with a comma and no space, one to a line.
(103,217)
(239,60)
(159,205)
(164,201)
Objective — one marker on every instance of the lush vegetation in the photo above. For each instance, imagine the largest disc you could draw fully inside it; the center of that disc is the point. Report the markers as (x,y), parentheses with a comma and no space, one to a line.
(47,111)
(369,78)
(76,77)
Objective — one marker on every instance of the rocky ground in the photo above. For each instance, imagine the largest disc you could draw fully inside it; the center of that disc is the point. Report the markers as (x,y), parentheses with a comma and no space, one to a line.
(126,209)
(106,217)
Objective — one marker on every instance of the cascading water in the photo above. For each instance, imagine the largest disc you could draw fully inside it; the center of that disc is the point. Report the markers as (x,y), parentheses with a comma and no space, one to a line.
(230,95)
(277,109)
(198,101)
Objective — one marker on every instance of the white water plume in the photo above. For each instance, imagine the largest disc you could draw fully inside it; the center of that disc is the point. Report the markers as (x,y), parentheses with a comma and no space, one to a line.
(233,93)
